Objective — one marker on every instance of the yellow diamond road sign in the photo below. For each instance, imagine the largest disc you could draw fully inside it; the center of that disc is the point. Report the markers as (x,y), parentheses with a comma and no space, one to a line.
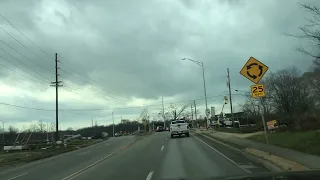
(254,70)
(257,90)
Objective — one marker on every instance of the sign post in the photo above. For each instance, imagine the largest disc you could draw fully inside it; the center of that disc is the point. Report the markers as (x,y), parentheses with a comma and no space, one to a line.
(264,126)
(254,70)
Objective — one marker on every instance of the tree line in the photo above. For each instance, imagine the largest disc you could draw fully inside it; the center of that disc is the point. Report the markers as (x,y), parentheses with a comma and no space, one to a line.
(293,97)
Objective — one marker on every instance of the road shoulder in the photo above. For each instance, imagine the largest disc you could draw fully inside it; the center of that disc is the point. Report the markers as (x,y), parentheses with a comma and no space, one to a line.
(271,166)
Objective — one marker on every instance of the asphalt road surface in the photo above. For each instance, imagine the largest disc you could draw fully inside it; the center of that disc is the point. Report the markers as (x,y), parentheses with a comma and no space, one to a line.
(155,157)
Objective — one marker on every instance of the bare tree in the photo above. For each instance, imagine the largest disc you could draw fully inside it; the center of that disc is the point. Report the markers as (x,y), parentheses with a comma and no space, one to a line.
(144,118)
(33,128)
(13,130)
(251,106)
(289,91)
(311,33)
(144,115)
(312,80)
(52,127)
(180,112)
(41,126)
(174,112)
(290,94)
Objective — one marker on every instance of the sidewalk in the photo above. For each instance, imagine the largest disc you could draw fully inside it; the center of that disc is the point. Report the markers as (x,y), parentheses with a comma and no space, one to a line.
(307,160)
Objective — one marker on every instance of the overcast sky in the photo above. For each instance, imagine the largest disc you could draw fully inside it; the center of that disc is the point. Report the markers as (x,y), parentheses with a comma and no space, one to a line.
(119,54)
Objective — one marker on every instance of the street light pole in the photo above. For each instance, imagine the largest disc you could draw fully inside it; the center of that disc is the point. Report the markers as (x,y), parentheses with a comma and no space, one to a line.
(113,124)
(205,91)
(204,84)
(164,120)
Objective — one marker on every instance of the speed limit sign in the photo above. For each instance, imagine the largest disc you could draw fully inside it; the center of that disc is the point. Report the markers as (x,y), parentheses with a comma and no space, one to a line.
(258,90)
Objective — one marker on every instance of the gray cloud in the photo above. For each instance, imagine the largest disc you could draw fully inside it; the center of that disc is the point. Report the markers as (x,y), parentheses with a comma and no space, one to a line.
(123,50)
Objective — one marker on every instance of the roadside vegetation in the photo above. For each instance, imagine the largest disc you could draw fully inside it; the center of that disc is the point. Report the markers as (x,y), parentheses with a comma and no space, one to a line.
(14,158)
(292,98)
(39,143)
(307,141)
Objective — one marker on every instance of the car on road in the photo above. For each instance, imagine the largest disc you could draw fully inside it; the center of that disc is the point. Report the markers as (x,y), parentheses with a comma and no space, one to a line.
(179,127)
(159,129)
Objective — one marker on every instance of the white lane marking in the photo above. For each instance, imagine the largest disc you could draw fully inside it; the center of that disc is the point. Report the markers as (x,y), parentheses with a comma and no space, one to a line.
(149,175)
(18,176)
(86,168)
(223,155)
(84,153)
(95,163)
(162,148)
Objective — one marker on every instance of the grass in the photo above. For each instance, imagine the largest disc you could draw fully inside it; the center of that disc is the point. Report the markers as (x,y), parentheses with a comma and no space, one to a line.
(19,157)
(308,142)
(242,130)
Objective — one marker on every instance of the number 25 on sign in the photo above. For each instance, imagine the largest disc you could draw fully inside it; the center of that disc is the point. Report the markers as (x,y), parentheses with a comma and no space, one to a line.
(257,90)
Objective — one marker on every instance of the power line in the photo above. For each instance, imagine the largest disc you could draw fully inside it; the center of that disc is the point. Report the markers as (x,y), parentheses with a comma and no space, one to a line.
(25,56)
(26,48)
(20,81)
(88,81)
(20,43)
(101,95)
(78,92)
(24,35)
(39,49)
(24,107)
(22,63)
(18,73)
(21,68)
(103,109)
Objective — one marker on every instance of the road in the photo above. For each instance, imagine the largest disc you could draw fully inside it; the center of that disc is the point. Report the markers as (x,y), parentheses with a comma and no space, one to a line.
(155,157)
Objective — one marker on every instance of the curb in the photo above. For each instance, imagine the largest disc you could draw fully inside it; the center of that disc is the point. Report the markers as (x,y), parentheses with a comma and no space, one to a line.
(265,163)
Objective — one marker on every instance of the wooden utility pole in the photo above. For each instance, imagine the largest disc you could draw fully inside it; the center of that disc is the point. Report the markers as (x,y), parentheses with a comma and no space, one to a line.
(229,86)
(195,109)
(191,111)
(164,121)
(57,85)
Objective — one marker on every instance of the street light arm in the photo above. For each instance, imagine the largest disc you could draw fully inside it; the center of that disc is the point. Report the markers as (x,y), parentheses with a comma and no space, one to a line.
(204,84)
(194,61)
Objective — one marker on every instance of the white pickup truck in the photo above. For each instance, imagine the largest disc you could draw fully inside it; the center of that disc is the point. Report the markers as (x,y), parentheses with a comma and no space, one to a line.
(179,127)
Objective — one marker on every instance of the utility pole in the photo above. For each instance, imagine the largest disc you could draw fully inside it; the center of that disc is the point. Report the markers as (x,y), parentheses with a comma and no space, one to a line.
(57,85)
(113,124)
(229,86)
(47,131)
(191,111)
(195,109)
(192,114)
(164,121)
